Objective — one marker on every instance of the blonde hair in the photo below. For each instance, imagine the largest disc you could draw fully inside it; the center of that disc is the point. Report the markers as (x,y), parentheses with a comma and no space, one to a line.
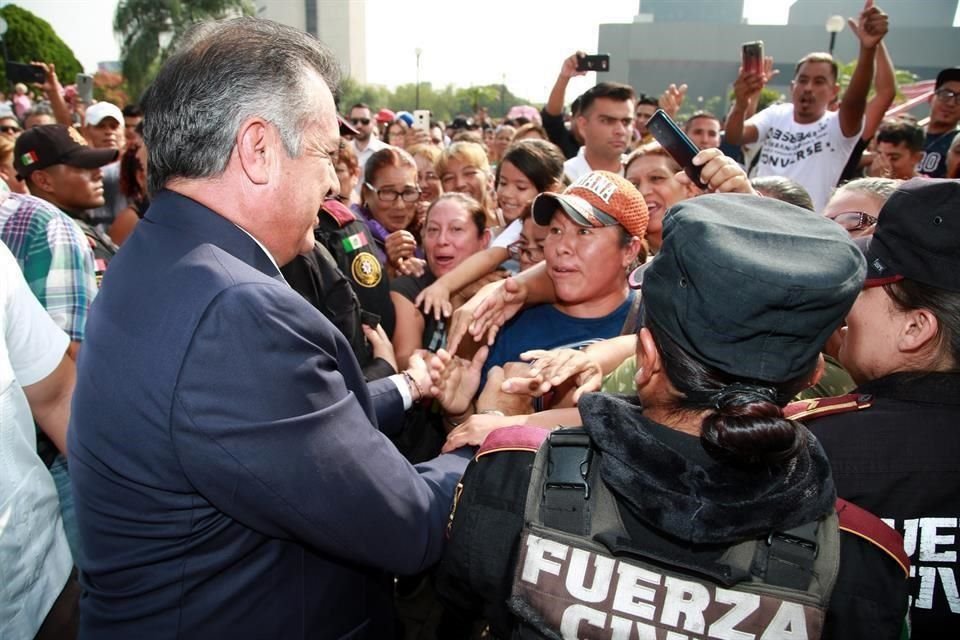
(469,153)
(429,151)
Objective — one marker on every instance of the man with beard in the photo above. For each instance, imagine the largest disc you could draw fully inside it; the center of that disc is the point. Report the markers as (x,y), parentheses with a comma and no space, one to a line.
(803,140)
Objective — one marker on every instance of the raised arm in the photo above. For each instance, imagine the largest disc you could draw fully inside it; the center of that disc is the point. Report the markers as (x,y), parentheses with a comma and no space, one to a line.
(568,70)
(746,90)
(436,297)
(885,85)
(870,28)
(54,92)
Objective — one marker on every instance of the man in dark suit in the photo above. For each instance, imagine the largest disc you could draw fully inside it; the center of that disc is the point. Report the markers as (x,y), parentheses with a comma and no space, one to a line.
(230,478)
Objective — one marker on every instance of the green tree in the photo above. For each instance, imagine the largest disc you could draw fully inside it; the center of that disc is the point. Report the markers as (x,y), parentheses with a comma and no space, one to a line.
(151,29)
(444,104)
(30,38)
(902,75)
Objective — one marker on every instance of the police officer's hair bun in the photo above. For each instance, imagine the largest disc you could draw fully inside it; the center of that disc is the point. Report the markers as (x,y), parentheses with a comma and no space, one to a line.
(745,421)
(748,423)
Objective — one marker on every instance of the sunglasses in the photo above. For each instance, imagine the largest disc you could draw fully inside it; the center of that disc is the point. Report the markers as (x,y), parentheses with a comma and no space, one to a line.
(360,121)
(10,129)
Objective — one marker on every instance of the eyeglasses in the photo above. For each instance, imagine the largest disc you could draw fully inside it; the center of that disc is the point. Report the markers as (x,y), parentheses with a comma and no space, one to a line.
(360,121)
(530,254)
(10,129)
(946,95)
(854,220)
(391,195)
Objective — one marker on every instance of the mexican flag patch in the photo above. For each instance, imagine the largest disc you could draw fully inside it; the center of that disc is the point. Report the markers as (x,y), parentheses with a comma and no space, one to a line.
(355,241)
(29,158)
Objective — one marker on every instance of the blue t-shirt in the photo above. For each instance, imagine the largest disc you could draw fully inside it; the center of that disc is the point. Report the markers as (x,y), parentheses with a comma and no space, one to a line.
(546,327)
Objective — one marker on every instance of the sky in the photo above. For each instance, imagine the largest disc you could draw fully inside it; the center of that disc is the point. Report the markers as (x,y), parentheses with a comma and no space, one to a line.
(501,42)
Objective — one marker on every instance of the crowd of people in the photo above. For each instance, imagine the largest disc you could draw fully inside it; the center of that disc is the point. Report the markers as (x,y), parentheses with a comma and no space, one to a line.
(276,367)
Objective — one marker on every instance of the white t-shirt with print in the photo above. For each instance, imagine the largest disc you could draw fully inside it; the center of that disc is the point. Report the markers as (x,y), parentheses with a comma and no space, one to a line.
(33,548)
(813,155)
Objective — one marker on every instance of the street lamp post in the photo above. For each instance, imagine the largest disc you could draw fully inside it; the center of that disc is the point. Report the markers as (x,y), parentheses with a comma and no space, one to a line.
(834,26)
(418,51)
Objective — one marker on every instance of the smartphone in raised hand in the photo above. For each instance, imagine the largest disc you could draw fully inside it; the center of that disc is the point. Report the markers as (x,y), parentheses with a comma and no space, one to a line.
(85,87)
(751,56)
(25,73)
(672,138)
(599,62)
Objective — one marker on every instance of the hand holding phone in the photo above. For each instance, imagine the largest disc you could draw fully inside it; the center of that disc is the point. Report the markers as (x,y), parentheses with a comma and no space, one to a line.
(751,57)
(84,87)
(26,73)
(421,119)
(676,143)
(599,62)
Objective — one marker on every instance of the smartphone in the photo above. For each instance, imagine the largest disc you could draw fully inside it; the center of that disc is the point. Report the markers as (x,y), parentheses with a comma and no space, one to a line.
(752,56)
(599,62)
(84,87)
(421,119)
(675,141)
(26,73)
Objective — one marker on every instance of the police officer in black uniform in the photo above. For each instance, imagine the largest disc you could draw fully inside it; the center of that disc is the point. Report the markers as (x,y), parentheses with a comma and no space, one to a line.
(894,443)
(699,510)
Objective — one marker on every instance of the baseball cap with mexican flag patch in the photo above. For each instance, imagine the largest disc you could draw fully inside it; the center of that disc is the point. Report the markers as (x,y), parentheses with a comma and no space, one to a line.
(597,199)
(46,145)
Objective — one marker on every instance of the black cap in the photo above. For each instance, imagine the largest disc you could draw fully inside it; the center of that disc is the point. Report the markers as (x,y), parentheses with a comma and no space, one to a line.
(947,75)
(918,236)
(751,286)
(461,122)
(50,144)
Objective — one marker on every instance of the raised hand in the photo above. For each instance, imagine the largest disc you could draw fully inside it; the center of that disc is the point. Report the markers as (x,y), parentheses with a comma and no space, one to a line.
(454,381)
(436,299)
(871,25)
(672,99)
(550,369)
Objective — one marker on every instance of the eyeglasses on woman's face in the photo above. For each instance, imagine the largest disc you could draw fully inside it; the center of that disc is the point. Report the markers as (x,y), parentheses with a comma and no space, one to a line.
(391,195)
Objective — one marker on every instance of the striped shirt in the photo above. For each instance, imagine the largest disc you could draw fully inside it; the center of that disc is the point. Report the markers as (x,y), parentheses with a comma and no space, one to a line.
(55,256)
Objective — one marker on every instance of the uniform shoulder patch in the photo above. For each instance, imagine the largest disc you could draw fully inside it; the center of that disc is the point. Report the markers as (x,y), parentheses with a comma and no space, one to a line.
(860,522)
(804,410)
(339,212)
(516,438)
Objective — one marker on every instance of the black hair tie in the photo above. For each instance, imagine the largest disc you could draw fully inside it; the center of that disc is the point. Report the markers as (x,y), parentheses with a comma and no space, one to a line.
(743,393)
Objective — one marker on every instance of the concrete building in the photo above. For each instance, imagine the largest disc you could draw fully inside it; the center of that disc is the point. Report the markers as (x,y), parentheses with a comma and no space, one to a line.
(340,24)
(657,48)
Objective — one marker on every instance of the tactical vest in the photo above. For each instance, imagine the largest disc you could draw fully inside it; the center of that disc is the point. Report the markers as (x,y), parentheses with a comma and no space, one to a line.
(578,574)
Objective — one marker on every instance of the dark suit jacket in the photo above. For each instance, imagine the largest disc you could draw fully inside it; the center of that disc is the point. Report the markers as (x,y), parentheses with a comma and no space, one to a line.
(229,478)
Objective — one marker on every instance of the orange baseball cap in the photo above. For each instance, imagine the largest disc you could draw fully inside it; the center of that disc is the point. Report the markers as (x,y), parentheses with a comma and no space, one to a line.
(598,199)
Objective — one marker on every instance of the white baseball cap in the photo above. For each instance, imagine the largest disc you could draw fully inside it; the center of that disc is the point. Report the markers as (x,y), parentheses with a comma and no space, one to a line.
(95,113)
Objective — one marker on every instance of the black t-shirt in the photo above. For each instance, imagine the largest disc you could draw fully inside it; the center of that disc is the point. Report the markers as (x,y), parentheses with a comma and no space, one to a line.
(559,134)
(434,333)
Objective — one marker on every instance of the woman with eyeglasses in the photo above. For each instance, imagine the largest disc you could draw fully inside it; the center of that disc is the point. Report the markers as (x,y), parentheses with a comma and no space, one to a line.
(856,204)
(390,193)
